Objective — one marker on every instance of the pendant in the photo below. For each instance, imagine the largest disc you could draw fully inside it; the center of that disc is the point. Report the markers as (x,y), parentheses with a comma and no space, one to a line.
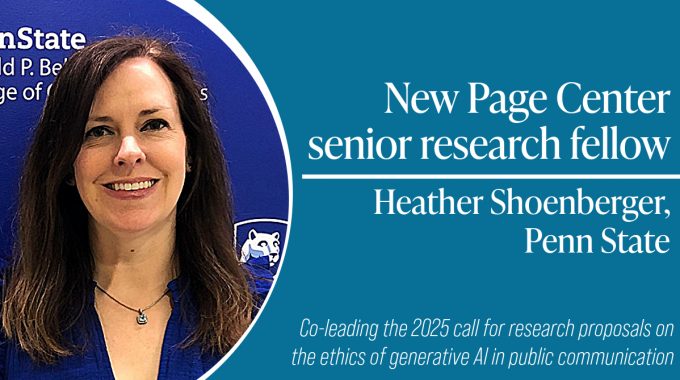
(141,318)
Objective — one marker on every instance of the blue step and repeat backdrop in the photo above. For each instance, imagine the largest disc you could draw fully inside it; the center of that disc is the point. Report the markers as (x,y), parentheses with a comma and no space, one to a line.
(484,190)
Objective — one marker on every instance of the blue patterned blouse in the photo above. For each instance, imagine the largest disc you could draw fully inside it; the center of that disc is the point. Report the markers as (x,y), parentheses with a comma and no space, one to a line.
(93,362)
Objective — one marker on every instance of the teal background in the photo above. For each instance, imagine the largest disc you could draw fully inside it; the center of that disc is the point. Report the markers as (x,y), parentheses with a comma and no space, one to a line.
(326,65)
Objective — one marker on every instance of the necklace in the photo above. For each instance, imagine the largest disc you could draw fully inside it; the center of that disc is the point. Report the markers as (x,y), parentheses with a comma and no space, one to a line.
(142,319)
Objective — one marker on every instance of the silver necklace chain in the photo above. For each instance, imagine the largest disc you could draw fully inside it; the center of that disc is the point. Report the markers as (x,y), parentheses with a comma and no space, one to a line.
(142,318)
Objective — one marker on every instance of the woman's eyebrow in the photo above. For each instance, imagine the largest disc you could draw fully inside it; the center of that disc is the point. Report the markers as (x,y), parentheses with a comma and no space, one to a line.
(145,112)
(150,111)
(101,118)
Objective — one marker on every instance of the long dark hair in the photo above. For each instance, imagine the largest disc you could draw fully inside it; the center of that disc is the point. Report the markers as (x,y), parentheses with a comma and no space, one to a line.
(51,276)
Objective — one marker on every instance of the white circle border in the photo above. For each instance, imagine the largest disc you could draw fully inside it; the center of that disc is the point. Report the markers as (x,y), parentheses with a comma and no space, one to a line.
(212,23)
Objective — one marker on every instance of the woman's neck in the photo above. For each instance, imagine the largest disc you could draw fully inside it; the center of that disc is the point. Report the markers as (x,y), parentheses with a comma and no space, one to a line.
(135,267)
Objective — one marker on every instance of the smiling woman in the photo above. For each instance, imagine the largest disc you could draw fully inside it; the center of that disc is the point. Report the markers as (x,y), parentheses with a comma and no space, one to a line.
(125,265)
(132,164)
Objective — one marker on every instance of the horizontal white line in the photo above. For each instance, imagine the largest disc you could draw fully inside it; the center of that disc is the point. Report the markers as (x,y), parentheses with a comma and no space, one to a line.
(490,176)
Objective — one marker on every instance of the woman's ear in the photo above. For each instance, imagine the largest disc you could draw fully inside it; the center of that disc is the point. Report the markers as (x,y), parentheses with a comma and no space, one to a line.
(188,160)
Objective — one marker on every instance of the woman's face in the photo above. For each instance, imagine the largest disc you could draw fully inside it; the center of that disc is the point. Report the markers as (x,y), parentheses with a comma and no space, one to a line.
(131,167)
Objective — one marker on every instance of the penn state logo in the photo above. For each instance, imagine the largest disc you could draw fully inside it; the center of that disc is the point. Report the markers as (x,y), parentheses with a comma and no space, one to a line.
(260,244)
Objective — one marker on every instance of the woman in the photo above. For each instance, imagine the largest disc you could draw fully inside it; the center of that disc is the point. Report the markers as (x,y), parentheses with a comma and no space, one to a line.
(124,262)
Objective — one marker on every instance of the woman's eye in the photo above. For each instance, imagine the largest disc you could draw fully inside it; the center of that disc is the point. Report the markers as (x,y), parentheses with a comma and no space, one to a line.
(155,125)
(97,132)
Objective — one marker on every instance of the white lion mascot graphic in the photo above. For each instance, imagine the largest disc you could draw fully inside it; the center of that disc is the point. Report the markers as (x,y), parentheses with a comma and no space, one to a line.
(261,244)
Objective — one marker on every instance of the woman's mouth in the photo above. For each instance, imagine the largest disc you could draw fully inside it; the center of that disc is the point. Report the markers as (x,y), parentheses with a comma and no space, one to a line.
(131,186)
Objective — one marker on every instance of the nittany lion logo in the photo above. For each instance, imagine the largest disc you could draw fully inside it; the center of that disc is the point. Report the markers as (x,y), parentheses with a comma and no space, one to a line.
(261,244)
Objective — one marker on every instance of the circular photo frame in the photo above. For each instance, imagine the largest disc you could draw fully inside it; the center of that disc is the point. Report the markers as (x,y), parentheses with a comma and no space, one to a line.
(36,38)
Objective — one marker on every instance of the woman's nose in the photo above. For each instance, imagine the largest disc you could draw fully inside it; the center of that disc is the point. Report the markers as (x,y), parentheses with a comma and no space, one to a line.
(129,153)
